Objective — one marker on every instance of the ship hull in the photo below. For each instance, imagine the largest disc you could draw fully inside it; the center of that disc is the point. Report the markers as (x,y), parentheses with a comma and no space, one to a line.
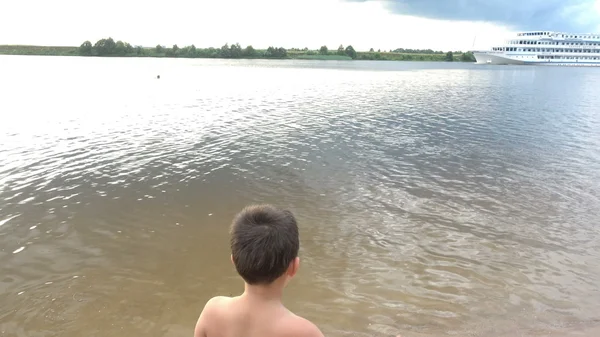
(502,59)
(487,58)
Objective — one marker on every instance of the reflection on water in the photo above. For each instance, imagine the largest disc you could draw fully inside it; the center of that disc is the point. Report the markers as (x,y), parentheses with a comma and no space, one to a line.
(432,198)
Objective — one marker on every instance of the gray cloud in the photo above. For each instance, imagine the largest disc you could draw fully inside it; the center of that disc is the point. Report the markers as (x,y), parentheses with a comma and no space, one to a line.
(555,15)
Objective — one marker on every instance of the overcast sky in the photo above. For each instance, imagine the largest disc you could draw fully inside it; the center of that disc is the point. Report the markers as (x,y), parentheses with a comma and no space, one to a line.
(387,24)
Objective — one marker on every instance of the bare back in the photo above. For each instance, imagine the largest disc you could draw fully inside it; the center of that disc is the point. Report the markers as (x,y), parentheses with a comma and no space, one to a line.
(241,317)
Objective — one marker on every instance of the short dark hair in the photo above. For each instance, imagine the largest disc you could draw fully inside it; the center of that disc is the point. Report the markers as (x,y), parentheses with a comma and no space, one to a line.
(264,241)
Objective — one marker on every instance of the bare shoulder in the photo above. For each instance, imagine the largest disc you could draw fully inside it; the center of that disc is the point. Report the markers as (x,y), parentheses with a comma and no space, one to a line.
(212,310)
(300,327)
(216,304)
(217,301)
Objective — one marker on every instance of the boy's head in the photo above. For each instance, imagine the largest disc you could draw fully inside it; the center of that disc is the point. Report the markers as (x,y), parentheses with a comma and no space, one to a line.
(264,244)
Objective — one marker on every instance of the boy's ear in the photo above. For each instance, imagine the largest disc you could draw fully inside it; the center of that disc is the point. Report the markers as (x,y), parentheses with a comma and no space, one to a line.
(294,266)
(231,257)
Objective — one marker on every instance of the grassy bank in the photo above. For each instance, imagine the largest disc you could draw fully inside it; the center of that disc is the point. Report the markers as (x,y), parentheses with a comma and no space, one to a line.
(39,50)
(110,48)
(392,56)
(303,56)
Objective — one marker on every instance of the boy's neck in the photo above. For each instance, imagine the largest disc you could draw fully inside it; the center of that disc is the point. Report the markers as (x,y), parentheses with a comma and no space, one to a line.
(263,293)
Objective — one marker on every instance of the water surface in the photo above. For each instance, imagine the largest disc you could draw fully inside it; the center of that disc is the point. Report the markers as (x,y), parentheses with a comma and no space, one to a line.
(433,198)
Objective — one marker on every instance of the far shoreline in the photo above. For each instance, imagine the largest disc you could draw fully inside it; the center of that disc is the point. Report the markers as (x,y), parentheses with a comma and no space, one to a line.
(110,48)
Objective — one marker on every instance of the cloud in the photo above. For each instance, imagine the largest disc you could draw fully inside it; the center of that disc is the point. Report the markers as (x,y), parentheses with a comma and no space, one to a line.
(555,15)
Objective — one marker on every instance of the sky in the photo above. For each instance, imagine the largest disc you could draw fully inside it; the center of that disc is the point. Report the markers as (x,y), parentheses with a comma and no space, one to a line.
(364,24)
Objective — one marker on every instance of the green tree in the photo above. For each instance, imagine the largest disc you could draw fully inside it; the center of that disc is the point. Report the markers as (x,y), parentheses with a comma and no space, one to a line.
(249,52)
(467,57)
(324,50)
(159,49)
(276,53)
(104,47)
(139,50)
(371,50)
(225,52)
(85,49)
(282,52)
(449,56)
(212,52)
(341,50)
(350,52)
(192,51)
(120,49)
(128,48)
(172,52)
(235,50)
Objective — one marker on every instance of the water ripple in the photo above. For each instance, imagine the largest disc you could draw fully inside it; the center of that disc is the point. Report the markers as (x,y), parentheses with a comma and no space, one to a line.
(432,198)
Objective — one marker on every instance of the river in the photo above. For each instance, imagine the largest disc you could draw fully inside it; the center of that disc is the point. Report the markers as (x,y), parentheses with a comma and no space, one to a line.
(433,199)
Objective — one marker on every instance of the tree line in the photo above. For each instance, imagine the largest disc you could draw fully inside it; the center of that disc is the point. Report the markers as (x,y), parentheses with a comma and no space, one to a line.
(436,57)
(108,47)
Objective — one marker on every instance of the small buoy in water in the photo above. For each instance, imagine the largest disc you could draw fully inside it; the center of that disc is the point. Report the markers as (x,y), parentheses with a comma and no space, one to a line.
(158,77)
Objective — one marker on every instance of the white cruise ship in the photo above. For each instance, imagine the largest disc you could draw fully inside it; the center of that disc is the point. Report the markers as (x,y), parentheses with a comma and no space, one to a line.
(545,48)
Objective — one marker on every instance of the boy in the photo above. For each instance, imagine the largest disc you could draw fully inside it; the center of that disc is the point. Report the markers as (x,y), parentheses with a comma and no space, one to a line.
(264,250)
